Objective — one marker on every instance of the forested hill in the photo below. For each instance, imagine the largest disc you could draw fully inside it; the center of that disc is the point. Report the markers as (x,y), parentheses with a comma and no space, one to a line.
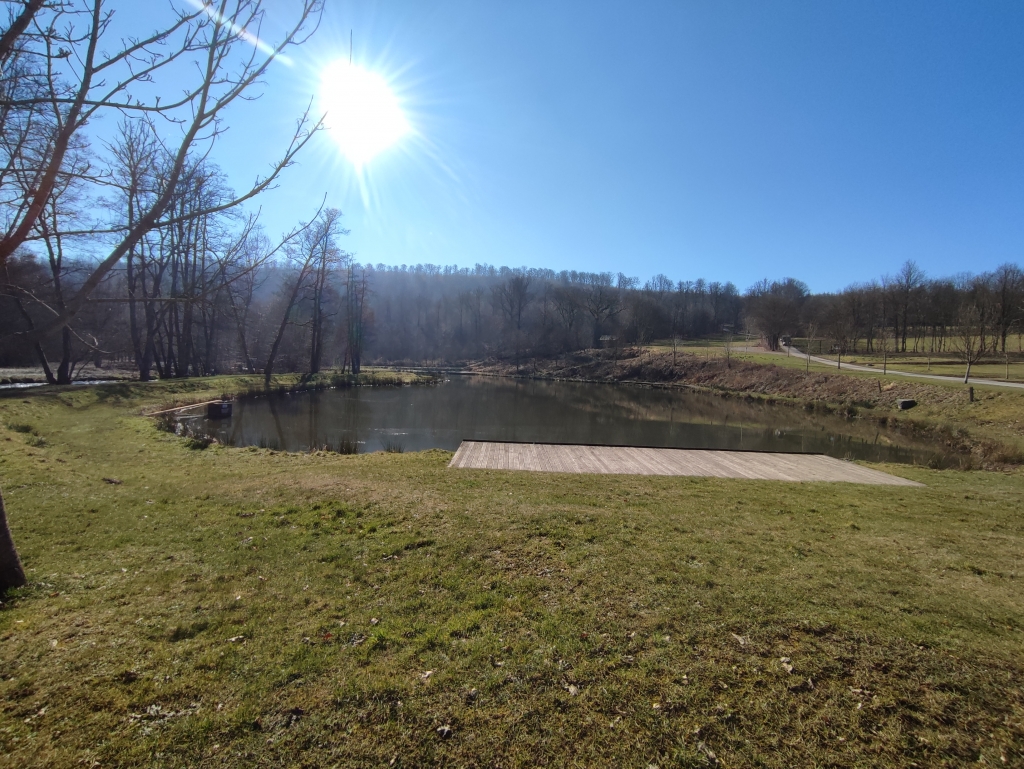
(181,313)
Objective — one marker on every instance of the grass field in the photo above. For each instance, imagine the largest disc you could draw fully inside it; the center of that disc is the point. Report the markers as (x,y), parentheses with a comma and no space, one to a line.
(942,364)
(241,607)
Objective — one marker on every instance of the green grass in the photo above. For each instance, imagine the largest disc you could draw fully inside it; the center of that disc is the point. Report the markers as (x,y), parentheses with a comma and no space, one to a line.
(244,607)
(997,413)
(941,364)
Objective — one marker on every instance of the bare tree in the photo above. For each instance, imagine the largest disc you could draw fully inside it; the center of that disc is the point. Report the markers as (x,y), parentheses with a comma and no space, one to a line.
(567,305)
(812,329)
(70,79)
(513,295)
(645,315)
(253,254)
(839,327)
(906,286)
(327,257)
(970,345)
(1007,285)
(774,308)
(601,301)
(64,40)
(357,314)
(314,244)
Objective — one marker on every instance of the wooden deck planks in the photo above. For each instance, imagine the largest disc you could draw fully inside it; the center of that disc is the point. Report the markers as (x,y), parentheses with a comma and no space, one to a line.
(625,460)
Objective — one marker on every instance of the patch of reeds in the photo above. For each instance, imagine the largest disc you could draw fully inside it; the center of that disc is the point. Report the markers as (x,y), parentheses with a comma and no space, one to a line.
(167,423)
(267,443)
(393,445)
(345,446)
(341,446)
(195,438)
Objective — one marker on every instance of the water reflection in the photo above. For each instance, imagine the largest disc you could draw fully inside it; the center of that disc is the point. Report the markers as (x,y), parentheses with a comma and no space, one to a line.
(417,418)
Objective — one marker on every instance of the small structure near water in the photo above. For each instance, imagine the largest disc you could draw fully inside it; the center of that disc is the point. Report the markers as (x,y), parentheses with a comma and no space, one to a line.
(218,410)
(630,460)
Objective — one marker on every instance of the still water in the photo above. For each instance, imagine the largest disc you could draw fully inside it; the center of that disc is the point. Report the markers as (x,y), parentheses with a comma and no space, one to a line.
(478,408)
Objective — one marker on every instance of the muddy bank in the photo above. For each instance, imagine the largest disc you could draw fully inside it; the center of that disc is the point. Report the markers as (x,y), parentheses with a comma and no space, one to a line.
(860,397)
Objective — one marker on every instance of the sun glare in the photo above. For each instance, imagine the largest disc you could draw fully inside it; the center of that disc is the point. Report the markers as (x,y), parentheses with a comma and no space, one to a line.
(363,116)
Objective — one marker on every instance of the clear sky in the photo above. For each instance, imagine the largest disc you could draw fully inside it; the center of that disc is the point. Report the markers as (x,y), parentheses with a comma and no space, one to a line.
(829,141)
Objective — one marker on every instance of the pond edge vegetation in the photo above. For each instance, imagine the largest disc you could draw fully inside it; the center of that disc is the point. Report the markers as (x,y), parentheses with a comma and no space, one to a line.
(960,437)
(963,446)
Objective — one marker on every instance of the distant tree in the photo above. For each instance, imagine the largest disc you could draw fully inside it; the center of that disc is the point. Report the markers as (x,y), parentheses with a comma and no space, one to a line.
(1007,289)
(812,329)
(906,286)
(838,324)
(328,256)
(601,301)
(774,308)
(254,253)
(357,314)
(512,296)
(567,305)
(645,316)
(970,346)
(313,244)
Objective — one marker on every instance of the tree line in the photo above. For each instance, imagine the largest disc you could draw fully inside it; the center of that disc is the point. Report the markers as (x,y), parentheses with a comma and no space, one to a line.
(136,250)
(213,295)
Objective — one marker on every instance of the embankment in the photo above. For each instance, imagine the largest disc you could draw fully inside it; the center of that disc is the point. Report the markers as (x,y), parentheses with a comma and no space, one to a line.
(987,432)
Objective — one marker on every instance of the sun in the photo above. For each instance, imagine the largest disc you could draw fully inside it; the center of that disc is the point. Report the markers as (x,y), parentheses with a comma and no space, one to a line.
(363,115)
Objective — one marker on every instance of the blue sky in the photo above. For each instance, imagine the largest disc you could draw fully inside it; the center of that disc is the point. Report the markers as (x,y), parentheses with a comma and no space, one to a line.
(727,140)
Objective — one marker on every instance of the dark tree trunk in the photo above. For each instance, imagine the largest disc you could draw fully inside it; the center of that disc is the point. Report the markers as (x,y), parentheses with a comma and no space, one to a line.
(11,572)
(50,379)
(268,369)
(65,370)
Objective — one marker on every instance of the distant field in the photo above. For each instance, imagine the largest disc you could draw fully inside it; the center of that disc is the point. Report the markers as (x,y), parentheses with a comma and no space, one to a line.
(944,364)
(241,607)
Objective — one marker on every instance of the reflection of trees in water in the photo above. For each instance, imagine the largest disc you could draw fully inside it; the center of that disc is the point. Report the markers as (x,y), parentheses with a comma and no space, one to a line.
(272,402)
(761,425)
(632,402)
(556,412)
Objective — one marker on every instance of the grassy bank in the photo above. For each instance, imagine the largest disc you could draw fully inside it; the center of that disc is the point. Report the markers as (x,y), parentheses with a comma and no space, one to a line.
(987,432)
(243,607)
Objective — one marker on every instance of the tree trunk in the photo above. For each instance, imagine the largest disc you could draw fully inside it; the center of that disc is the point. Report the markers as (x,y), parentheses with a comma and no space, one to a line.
(50,379)
(64,371)
(268,370)
(11,572)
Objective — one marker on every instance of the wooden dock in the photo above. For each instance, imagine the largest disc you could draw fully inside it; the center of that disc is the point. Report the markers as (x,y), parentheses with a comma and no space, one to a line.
(625,460)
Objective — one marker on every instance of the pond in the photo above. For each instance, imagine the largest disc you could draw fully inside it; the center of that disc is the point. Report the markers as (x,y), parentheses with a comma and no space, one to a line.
(413,418)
